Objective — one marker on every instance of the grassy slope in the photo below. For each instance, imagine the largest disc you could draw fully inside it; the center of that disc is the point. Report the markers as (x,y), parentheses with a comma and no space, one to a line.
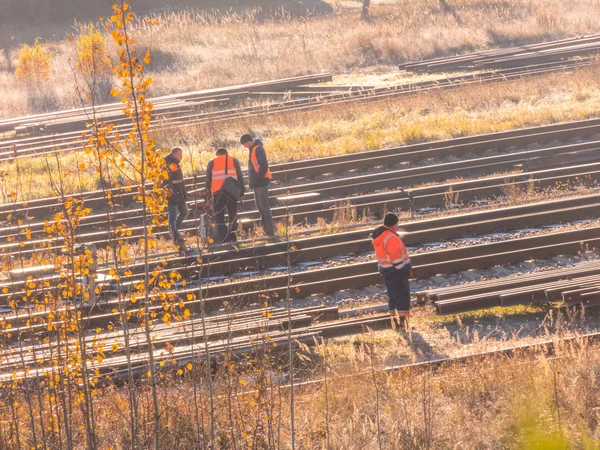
(194,51)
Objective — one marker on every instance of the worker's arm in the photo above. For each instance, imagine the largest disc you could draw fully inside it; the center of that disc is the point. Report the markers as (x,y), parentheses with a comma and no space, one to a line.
(261,157)
(240,175)
(208,180)
(397,252)
(168,181)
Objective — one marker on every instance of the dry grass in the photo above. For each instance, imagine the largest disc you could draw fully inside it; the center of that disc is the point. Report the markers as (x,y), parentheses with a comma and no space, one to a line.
(494,403)
(528,401)
(194,50)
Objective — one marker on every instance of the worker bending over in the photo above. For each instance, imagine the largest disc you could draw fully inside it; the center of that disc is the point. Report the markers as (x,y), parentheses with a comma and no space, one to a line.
(394,265)
(224,198)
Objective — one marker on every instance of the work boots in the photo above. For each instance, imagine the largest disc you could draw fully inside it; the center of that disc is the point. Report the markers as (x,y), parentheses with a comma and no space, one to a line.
(178,240)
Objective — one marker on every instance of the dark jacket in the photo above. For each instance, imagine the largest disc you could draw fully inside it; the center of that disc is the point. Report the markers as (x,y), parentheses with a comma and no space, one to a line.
(258,179)
(209,169)
(378,232)
(175,182)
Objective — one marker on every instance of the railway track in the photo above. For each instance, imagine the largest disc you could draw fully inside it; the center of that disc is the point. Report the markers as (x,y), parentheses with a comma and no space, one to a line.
(228,285)
(549,347)
(578,285)
(317,281)
(93,228)
(72,140)
(76,119)
(183,343)
(296,171)
(354,275)
(544,52)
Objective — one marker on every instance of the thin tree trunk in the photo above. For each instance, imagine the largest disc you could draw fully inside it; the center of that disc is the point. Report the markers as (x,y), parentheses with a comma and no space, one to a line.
(289,317)
(145,223)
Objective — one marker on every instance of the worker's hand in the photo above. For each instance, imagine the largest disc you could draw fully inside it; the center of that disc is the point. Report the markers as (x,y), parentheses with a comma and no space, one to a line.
(410,275)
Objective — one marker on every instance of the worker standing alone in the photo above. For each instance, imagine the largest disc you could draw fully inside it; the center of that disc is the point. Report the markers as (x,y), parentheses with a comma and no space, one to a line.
(259,176)
(394,265)
(218,170)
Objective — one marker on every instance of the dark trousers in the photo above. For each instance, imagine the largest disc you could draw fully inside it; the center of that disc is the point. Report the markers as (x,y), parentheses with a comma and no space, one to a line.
(261,197)
(398,288)
(177,214)
(221,205)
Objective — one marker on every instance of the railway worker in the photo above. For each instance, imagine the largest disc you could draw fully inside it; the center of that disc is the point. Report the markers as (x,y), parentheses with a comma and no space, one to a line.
(225,198)
(259,176)
(177,205)
(395,267)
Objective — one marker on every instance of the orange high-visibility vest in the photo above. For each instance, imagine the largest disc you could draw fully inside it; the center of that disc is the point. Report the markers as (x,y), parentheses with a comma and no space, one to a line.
(256,165)
(390,251)
(223,167)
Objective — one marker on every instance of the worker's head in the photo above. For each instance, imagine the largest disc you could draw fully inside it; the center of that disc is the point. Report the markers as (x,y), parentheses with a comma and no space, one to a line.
(177,153)
(391,221)
(221,152)
(247,140)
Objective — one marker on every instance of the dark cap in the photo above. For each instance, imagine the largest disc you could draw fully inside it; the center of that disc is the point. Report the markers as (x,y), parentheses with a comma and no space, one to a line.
(390,220)
(245,138)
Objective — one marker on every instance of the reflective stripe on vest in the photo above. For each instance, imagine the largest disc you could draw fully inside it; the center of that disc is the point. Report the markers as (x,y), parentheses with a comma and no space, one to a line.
(256,165)
(219,174)
(385,262)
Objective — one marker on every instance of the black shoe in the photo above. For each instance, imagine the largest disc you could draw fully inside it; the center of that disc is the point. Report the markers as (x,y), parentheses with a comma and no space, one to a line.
(179,240)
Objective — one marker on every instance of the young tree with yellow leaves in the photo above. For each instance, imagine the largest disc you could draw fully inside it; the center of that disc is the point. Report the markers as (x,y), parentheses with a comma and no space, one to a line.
(148,163)
(35,64)
(93,64)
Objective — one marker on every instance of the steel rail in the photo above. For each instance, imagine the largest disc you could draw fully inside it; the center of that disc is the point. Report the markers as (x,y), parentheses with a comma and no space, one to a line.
(574,286)
(481,287)
(94,231)
(25,143)
(460,62)
(365,274)
(289,106)
(87,112)
(402,177)
(228,337)
(285,171)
